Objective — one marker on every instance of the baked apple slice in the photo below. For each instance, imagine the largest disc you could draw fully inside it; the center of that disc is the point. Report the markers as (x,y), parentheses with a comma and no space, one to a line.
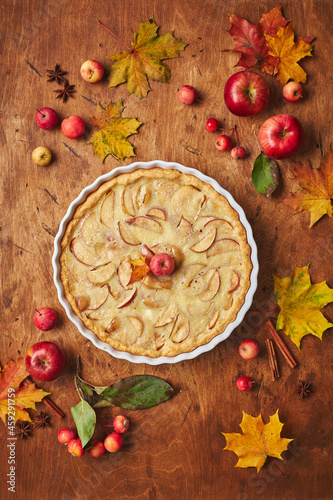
(128,299)
(184,230)
(167,316)
(101,274)
(213,287)
(82,253)
(127,201)
(127,234)
(223,245)
(114,325)
(98,297)
(151,281)
(187,200)
(213,320)
(190,273)
(143,222)
(107,210)
(157,212)
(234,282)
(142,197)
(165,190)
(199,309)
(137,324)
(146,253)
(206,242)
(124,273)
(82,302)
(219,223)
(181,328)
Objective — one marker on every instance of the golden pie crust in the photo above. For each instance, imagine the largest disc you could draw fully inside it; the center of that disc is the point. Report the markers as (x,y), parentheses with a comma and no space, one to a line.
(158,211)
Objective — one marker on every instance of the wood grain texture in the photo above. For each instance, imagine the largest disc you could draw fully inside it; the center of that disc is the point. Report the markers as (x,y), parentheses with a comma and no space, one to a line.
(173,451)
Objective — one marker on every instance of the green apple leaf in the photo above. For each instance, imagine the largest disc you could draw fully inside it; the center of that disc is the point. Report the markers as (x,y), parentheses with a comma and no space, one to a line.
(265,175)
(85,420)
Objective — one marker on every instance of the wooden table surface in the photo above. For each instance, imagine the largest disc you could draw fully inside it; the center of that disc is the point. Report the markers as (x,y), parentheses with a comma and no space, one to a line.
(175,450)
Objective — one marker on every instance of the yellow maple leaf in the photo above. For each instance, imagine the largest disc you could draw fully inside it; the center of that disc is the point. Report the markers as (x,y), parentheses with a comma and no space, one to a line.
(300,304)
(257,442)
(139,269)
(316,188)
(13,399)
(288,53)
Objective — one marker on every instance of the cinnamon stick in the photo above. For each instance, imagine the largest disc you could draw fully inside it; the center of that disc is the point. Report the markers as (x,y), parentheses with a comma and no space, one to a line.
(272,360)
(47,401)
(281,345)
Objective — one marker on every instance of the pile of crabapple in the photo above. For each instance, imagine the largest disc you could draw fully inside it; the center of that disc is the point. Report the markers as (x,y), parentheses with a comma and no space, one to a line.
(112,443)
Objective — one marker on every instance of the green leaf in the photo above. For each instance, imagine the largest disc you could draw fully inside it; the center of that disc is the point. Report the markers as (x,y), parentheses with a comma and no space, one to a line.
(85,420)
(138,392)
(265,175)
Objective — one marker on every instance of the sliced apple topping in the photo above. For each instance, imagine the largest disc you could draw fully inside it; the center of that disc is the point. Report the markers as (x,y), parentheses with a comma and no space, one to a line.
(199,309)
(143,196)
(190,273)
(157,212)
(222,246)
(213,320)
(220,224)
(98,298)
(91,229)
(160,339)
(136,323)
(234,282)
(82,302)
(181,328)
(165,190)
(186,201)
(213,287)
(200,205)
(124,273)
(151,281)
(77,271)
(184,229)
(114,325)
(206,242)
(127,234)
(147,223)
(107,210)
(101,274)
(127,203)
(83,254)
(155,299)
(128,299)
(146,253)
(167,316)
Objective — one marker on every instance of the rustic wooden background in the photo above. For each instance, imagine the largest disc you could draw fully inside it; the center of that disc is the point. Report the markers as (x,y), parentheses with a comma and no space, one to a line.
(175,450)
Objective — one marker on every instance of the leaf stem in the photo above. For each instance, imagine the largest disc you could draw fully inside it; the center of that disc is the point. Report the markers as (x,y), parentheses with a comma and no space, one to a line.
(276,465)
(107,29)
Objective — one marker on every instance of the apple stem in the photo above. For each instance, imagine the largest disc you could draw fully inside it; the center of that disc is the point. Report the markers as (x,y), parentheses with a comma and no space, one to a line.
(41,113)
(40,314)
(104,426)
(107,29)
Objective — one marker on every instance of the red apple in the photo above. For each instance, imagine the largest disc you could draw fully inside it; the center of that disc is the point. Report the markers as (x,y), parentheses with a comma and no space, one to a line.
(249,349)
(292,91)
(45,318)
(244,383)
(75,448)
(45,361)
(46,118)
(187,94)
(246,93)
(280,136)
(92,71)
(97,449)
(73,127)
(212,124)
(113,442)
(223,142)
(162,264)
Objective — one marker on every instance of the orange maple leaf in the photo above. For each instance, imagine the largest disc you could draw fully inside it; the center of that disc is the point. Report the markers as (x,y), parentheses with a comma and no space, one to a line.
(140,269)
(13,398)
(272,21)
(316,188)
(288,52)
(257,442)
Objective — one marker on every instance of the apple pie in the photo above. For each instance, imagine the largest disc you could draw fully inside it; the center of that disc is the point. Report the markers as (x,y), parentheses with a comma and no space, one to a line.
(111,239)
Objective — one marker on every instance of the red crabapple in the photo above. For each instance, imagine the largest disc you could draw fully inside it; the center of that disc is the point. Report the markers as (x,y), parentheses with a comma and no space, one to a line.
(121,424)
(97,449)
(238,153)
(244,383)
(187,94)
(65,435)
(212,124)
(113,442)
(223,142)
(45,318)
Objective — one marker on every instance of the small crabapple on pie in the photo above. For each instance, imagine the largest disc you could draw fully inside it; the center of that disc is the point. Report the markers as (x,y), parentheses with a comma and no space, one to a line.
(156,262)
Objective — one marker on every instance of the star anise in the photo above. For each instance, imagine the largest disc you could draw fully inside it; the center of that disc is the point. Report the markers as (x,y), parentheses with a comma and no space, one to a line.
(41,420)
(56,74)
(22,430)
(65,92)
(303,389)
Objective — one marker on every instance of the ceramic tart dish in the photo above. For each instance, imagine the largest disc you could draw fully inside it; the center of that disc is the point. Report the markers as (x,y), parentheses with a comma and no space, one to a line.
(104,247)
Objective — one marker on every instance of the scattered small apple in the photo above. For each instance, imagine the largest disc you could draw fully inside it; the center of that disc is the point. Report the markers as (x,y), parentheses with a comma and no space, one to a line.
(223,142)
(244,383)
(249,349)
(45,361)
(280,136)
(92,71)
(45,318)
(121,424)
(292,91)
(162,264)
(212,124)
(113,442)
(75,448)
(187,94)
(238,153)
(46,118)
(97,449)
(41,156)
(65,435)
(73,127)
